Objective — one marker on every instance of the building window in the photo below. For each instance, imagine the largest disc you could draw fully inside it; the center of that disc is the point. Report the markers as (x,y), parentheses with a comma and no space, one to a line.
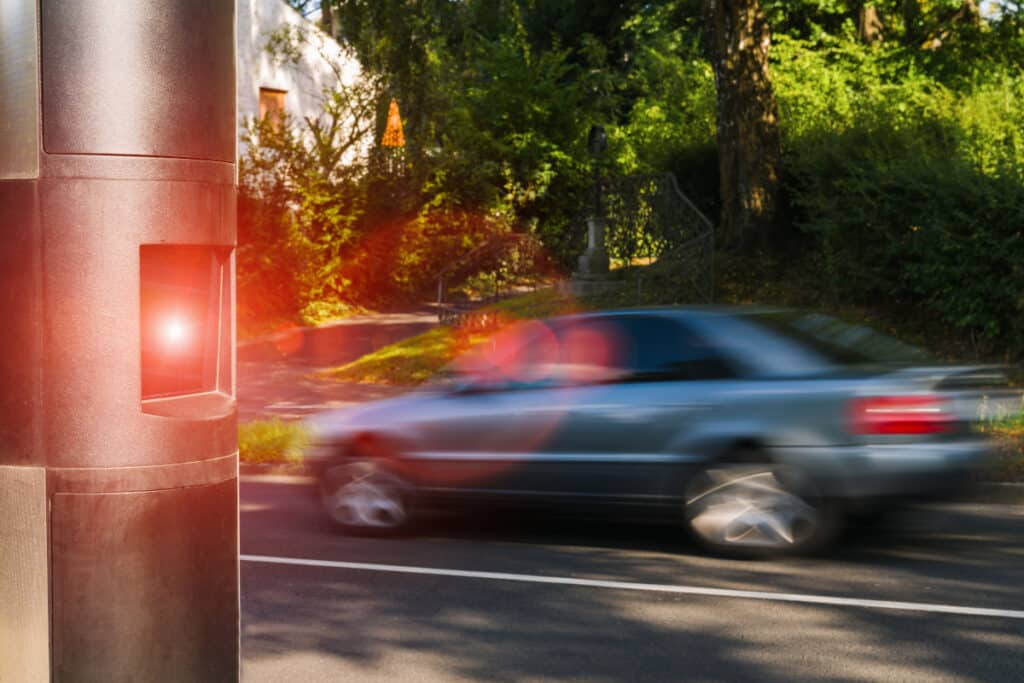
(272,104)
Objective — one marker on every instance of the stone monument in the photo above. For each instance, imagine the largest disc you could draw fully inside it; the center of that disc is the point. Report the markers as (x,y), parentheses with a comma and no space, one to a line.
(592,272)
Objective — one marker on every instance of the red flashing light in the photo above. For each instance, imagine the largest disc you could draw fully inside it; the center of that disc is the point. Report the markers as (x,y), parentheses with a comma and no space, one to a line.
(181,290)
(175,332)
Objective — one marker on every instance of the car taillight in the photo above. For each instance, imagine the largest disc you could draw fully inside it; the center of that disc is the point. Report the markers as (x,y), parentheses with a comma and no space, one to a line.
(919,414)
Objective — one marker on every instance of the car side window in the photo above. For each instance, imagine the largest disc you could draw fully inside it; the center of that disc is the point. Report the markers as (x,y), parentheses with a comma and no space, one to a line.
(592,350)
(659,348)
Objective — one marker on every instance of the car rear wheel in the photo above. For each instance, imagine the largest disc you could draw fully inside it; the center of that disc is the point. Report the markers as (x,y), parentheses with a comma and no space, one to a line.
(364,497)
(756,509)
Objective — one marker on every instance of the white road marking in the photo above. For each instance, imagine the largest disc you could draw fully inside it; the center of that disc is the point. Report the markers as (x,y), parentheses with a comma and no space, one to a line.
(833,601)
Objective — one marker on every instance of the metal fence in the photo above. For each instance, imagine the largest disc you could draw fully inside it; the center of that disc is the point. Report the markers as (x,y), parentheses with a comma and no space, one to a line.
(649,218)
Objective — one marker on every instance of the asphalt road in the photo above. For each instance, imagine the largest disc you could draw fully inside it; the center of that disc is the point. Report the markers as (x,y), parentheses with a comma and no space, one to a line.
(508,598)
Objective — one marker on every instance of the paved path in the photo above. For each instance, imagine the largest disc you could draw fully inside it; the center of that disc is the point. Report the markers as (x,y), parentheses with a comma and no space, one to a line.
(276,376)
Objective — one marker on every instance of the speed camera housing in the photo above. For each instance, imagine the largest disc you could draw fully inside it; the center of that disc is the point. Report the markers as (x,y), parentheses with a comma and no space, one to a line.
(118,428)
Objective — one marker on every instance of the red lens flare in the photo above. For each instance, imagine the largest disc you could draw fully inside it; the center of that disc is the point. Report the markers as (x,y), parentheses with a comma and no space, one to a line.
(591,353)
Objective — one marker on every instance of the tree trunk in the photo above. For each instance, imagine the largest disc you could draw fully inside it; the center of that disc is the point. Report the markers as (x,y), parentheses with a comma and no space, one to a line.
(869,24)
(329,18)
(749,147)
(969,13)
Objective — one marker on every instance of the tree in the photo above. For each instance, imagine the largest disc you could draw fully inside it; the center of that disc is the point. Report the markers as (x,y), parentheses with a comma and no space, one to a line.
(302,192)
(749,146)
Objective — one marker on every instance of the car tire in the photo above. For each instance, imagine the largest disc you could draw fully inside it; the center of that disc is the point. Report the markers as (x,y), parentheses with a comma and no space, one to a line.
(747,506)
(364,497)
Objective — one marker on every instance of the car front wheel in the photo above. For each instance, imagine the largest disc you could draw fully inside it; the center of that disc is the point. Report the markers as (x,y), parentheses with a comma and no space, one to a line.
(364,497)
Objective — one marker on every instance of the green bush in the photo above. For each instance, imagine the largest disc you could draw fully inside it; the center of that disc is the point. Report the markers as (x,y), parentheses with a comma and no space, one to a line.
(911,192)
(271,441)
(1008,434)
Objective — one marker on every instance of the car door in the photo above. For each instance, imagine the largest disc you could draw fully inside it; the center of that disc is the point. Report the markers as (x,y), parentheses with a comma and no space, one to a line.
(492,426)
(617,436)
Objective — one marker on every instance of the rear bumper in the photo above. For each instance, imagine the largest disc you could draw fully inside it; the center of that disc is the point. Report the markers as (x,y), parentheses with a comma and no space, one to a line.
(936,470)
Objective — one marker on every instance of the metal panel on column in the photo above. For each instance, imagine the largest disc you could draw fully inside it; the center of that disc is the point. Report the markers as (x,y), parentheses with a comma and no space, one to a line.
(24,610)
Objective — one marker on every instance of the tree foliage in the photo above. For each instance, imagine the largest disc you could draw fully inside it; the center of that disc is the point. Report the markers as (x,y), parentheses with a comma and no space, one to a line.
(899,124)
(909,178)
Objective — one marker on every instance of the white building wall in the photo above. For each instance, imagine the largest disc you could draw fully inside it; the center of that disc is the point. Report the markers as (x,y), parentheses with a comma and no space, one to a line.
(303,81)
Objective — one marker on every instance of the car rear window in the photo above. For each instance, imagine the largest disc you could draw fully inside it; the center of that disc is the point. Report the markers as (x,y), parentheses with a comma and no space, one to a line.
(836,341)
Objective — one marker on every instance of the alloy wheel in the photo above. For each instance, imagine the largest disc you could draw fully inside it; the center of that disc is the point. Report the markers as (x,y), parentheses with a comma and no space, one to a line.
(758,508)
(364,498)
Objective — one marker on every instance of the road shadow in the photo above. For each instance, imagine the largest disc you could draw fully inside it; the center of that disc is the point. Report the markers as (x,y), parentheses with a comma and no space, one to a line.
(372,624)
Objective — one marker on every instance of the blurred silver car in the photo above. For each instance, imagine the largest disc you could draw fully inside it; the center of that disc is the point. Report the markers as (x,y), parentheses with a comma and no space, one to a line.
(755,428)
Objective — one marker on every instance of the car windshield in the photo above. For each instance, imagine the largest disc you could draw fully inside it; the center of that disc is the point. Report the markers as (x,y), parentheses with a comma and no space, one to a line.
(839,342)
